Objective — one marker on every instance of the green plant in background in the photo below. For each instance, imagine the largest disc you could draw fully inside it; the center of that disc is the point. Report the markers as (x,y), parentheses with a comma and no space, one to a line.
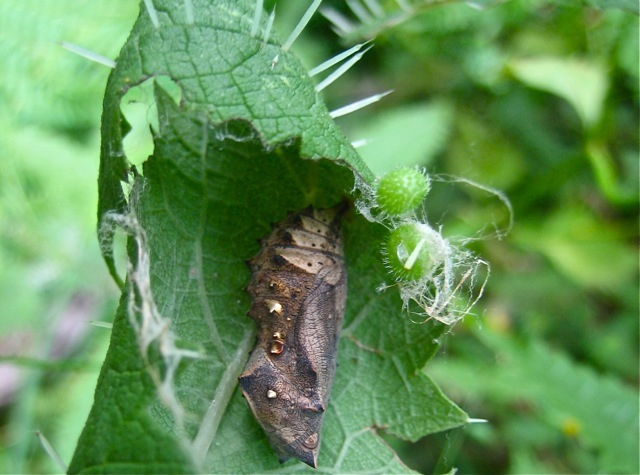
(52,281)
(536,98)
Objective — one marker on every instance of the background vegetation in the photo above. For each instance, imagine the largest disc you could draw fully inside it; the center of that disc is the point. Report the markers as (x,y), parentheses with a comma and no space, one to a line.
(538,99)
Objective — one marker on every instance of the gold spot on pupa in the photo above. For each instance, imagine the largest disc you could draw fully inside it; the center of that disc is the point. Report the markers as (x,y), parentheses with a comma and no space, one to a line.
(276,347)
(274,306)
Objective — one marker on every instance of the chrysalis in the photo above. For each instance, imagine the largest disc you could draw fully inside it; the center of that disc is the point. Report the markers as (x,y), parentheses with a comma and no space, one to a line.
(298,292)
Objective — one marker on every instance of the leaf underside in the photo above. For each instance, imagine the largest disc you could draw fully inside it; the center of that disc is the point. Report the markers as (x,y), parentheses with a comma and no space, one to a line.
(249,142)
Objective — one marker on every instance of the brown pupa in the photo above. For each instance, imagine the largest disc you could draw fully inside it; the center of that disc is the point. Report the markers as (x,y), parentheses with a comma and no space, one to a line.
(298,291)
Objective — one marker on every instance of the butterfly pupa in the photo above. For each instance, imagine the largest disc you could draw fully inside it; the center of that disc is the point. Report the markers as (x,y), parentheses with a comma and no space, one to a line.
(298,292)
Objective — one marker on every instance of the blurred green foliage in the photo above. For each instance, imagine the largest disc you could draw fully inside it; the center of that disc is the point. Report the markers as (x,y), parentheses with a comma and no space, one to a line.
(52,278)
(536,98)
(539,100)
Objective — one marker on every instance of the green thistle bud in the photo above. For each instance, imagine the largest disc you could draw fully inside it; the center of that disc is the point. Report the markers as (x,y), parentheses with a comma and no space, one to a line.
(401,190)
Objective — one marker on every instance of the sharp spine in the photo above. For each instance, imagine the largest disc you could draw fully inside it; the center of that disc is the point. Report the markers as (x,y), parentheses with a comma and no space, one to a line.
(90,55)
(348,109)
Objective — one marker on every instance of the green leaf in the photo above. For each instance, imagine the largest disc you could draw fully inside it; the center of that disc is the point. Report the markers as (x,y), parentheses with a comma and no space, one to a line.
(120,413)
(588,250)
(249,142)
(409,135)
(481,152)
(600,412)
(625,5)
(583,84)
